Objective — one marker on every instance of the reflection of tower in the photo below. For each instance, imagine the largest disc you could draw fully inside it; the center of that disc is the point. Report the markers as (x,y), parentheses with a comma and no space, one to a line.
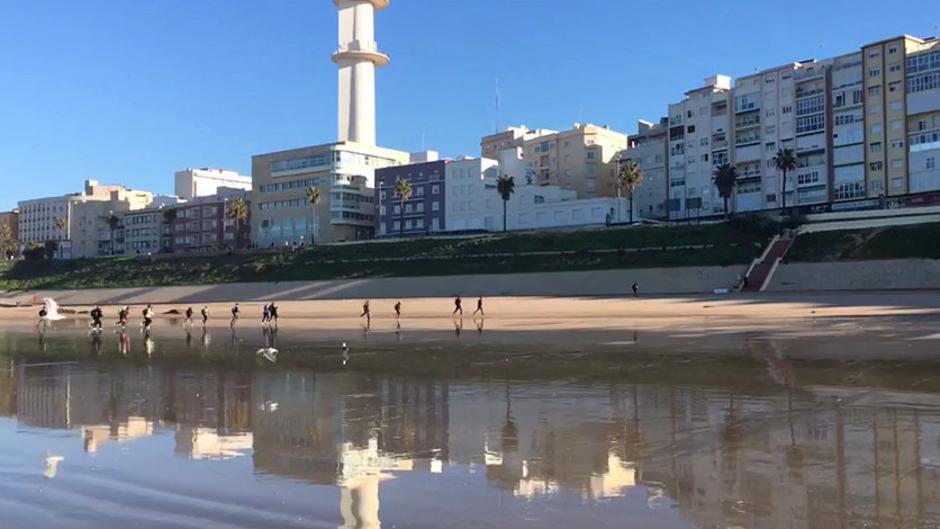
(357,57)
(359,504)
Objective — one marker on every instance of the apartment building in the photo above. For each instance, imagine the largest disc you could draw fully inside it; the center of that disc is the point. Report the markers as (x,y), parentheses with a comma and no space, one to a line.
(203,224)
(423,212)
(344,172)
(649,149)
(902,115)
(582,159)
(11,219)
(700,132)
(510,138)
(193,183)
(147,231)
(51,218)
(470,188)
(847,100)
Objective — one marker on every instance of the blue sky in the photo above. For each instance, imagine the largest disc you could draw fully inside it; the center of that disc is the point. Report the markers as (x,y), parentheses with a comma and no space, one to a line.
(131,91)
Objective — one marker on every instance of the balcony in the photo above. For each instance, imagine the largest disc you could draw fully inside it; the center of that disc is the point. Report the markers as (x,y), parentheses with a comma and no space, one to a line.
(800,93)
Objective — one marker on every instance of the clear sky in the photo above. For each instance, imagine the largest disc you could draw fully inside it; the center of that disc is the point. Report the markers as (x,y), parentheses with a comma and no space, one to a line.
(129,91)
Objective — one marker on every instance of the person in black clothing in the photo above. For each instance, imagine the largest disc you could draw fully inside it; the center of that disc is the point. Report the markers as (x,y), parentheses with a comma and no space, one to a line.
(189,317)
(235,311)
(366,312)
(205,315)
(96,316)
(458,306)
(480,307)
(636,290)
(398,309)
(272,313)
(148,317)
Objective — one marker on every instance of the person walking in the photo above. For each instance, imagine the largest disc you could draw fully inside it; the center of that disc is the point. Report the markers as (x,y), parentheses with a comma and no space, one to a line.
(366,312)
(398,309)
(235,311)
(458,306)
(96,316)
(636,290)
(188,321)
(479,307)
(205,315)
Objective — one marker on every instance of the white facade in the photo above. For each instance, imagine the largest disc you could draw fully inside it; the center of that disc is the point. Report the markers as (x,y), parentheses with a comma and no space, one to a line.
(648,149)
(192,183)
(473,203)
(357,57)
(699,135)
(848,128)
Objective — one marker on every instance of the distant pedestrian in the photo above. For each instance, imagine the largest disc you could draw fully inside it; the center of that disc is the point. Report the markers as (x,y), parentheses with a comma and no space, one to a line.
(265,314)
(458,306)
(235,311)
(205,315)
(148,317)
(189,317)
(479,307)
(366,312)
(636,290)
(272,313)
(96,316)
(398,309)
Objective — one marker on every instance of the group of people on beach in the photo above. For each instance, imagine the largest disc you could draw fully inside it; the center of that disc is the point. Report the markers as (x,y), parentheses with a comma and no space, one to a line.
(269,314)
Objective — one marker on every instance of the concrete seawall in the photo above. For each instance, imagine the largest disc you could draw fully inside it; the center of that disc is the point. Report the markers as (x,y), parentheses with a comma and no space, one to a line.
(687,280)
(893,274)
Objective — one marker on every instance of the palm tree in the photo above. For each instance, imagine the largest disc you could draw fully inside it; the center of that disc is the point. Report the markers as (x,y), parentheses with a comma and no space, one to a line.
(113,222)
(237,211)
(505,186)
(726,176)
(630,177)
(62,225)
(785,161)
(313,198)
(403,191)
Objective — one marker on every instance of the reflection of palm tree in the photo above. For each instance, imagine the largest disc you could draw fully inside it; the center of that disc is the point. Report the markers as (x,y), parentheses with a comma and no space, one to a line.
(510,432)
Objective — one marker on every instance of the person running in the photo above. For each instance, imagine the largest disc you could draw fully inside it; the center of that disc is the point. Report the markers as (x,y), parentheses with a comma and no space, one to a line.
(205,315)
(96,316)
(189,317)
(636,290)
(458,306)
(265,314)
(235,311)
(366,312)
(398,309)
(148,317)
(479,307)
(272,313)
(123,316)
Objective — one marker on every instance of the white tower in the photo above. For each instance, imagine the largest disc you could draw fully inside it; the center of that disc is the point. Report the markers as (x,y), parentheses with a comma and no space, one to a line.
(357,57)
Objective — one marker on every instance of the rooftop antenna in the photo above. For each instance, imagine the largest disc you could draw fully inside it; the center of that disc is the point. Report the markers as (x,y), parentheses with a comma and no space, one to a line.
(497,105)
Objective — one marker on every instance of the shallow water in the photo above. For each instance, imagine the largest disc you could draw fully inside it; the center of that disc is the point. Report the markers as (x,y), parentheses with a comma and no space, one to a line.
(472,430)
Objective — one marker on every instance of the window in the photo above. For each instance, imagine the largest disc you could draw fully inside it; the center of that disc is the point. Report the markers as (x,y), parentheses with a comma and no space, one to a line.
(896,124)
(876,166)
(892,50)
(897,163)
(874,91)
(810,124)
(689,130)
(876,129)
(897,144)
(922,82)
(931,163)
(787,109)
(875,147)
(435,189)
(435,206)
(875,109)
(894,67)
(874,72)
(896,106)
(893,87)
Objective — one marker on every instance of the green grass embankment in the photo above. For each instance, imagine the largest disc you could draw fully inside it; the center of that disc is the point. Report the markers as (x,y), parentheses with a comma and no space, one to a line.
(599,249)
(921,241)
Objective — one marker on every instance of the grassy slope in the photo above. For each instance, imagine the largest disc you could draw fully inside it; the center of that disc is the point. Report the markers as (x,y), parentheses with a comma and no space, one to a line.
(426,257)
(920,241)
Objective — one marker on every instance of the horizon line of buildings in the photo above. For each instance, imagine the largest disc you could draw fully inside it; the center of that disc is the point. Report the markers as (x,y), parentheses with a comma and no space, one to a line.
(864,128)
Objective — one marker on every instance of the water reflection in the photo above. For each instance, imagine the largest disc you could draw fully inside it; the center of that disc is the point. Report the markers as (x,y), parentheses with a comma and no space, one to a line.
(776,452)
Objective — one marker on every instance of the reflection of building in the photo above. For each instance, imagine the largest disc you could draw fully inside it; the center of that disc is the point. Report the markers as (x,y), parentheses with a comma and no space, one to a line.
(208,443)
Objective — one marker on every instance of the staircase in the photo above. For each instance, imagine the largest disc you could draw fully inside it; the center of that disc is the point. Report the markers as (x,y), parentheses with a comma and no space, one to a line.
(762,269)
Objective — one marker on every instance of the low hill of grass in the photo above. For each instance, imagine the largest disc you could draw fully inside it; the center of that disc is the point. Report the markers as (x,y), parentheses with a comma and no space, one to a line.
(920,241)
(598,249)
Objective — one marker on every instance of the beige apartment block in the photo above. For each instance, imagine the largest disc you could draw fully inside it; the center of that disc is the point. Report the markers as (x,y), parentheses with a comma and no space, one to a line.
(511,138)
(582,159)
(902,98)
(344,173)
